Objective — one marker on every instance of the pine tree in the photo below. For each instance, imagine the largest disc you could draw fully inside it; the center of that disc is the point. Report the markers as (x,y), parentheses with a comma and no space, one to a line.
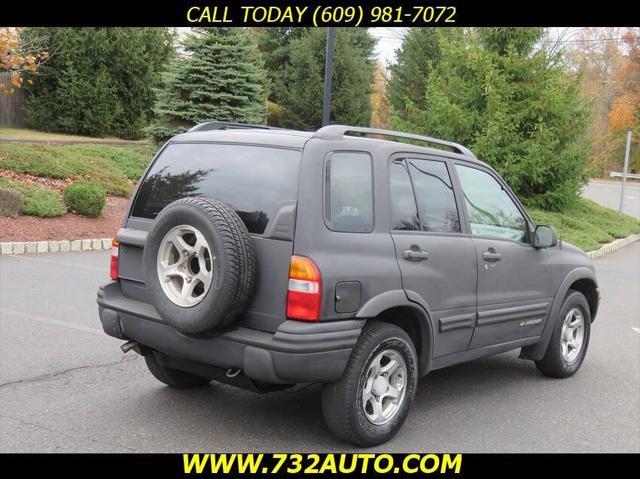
(514,104)
(303,78)
(274,44)
(98,81)
(219,77)
(419,53)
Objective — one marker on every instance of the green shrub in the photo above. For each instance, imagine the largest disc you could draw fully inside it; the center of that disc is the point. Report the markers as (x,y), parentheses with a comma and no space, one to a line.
(11,202)
(85,198)
(43,202)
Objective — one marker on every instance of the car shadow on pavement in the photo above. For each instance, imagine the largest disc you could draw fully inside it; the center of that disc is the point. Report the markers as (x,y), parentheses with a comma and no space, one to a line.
(220,417)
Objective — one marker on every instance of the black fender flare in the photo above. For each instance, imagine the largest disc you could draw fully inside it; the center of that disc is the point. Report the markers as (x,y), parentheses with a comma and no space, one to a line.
(408,299)
(536,351)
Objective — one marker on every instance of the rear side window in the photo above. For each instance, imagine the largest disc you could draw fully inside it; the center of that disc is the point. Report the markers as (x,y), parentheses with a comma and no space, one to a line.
(437,208)
(349,192)
(253,180)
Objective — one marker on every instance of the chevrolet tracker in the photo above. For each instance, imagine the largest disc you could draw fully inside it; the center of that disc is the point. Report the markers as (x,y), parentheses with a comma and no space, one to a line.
(264,258)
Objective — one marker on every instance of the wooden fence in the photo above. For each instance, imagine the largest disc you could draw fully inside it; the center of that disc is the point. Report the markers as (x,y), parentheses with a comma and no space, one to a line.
(11,106)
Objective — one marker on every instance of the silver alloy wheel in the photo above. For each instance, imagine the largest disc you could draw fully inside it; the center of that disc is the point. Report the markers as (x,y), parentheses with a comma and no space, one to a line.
(384,388)
(572,335)
(185,265)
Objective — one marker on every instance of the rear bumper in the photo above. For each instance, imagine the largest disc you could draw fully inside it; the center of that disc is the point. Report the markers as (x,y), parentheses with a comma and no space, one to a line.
(296,352)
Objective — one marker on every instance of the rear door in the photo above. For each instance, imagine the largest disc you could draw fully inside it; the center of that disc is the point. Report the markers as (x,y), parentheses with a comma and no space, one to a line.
(259,182)
(513,277)
(436,257)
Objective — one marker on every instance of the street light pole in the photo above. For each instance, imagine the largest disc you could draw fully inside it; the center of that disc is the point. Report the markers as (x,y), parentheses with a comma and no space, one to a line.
(328,73)
(624,171)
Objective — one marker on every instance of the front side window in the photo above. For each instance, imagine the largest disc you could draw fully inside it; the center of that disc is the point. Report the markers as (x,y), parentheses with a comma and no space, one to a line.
(349,192)
(437,208)
(253,180)
(491,210)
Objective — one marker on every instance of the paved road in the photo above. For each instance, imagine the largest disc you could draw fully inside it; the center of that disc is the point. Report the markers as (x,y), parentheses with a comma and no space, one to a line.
(65,386)
(607,193)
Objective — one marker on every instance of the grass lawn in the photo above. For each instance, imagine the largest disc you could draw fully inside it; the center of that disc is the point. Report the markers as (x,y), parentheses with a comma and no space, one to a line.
(587,224)
(112,167)
(33,135)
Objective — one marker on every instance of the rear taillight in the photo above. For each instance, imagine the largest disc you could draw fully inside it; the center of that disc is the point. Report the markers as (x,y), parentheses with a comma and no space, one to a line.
(304,295)
(115,249)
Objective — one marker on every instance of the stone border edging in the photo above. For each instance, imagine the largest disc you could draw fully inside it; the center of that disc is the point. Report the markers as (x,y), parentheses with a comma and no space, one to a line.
(56,246)
(613,246)
(31,247)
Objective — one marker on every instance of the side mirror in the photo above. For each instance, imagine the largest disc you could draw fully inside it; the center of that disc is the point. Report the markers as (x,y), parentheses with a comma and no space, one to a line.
(544,237)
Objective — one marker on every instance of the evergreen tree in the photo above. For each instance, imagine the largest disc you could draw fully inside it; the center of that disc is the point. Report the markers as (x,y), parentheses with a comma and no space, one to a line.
(303,78)
(98,81)
(219,77)
(419,53)
(274,44)
(513,103)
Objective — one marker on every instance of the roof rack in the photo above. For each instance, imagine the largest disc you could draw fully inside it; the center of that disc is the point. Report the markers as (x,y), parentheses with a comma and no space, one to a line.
(336,132)
(227,125)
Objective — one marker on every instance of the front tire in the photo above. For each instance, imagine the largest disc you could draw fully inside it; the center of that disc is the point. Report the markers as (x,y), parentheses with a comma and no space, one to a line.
(173,377)
(569,340)
(370,402)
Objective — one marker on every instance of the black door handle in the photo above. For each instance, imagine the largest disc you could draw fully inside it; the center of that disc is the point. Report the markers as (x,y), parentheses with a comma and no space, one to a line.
(415,255)
(491,256)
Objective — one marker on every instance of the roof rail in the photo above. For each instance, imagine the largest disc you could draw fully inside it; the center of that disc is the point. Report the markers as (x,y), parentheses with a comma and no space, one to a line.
(336,132)
(227,125)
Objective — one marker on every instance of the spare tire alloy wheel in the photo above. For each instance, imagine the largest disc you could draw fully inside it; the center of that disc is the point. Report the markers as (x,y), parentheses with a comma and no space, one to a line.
(185,265)
(199,265)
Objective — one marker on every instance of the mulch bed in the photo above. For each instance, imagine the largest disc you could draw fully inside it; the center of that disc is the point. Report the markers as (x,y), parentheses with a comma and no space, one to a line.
(68,227)
(31,180)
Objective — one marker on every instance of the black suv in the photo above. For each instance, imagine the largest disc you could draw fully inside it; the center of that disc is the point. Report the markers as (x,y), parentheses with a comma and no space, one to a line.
(264,258)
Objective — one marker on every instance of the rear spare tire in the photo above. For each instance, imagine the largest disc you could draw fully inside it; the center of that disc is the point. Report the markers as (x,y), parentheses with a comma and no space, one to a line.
(199,265)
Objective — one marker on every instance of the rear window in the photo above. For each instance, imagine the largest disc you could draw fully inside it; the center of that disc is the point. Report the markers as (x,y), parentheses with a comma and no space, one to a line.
(253,180)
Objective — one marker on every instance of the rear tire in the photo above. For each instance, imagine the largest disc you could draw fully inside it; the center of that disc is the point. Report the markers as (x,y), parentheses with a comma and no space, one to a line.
(354,406)
(173,377)
(570,338)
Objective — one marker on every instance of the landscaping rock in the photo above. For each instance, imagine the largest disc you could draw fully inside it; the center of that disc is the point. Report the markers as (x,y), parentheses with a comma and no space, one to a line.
(11,202)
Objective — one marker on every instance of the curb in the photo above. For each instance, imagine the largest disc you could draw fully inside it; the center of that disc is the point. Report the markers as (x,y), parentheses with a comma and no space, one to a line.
(613,246)
(61,246)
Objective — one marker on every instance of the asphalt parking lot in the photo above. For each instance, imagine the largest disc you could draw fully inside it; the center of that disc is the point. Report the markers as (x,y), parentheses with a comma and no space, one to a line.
(65,386)
(607,193)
